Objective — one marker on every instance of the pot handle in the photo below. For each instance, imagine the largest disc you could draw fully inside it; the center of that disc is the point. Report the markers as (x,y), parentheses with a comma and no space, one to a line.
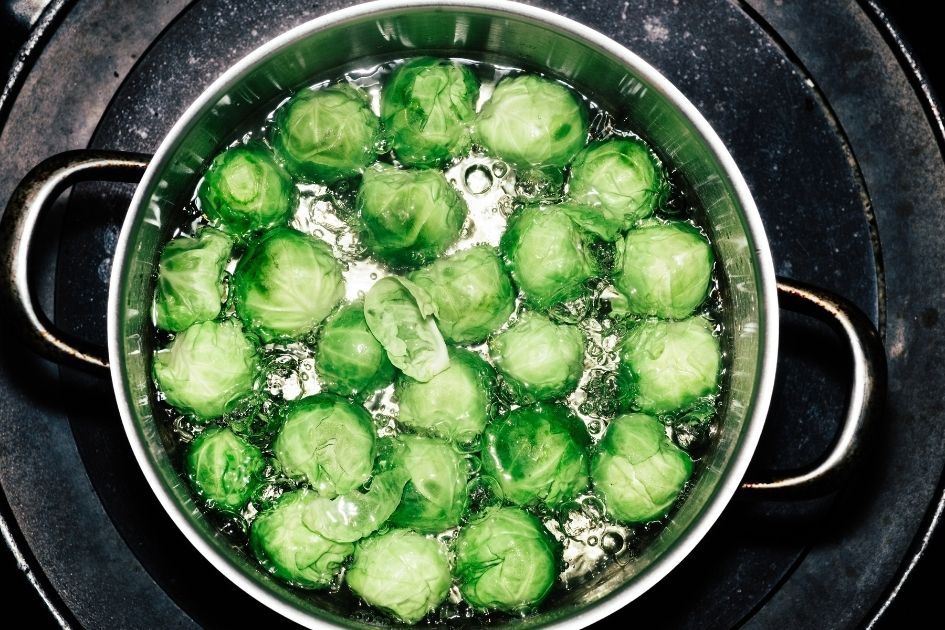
(35,195)
(867,394)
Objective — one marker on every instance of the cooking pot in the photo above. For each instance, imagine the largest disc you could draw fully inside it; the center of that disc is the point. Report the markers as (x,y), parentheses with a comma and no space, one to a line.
(495,31)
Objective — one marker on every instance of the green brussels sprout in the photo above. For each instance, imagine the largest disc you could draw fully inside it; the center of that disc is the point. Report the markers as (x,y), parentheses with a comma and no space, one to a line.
(408,217)
(637,469)
(663,270)
(286,284)
(435,496)
(190,280)
(541,360)
(667,366)
(245,191)
(532,121)
(472,293)
(537,454)
(290,550)
(400,315)
(355,515)
(506,560)
(350,360)
(224,469)
(428,107)
(405,574)
(455,404)
(208,369)
(328,441)
(622,179)
(549,257)
(326,134)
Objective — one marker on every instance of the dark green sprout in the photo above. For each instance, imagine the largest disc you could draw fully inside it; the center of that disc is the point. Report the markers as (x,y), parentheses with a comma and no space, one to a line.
(245,191)
(537,454)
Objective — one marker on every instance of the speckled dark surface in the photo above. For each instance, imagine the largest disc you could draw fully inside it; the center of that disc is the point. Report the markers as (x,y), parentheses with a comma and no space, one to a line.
(116,559)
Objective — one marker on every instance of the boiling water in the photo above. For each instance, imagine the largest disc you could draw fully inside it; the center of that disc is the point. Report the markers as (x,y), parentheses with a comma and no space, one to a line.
(493,190)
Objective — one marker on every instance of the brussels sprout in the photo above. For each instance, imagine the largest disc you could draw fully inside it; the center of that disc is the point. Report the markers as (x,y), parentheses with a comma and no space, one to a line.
(350,360)
(506,560)
(326,134)
(190,280)
(549,257)
(224,469)
(620,177)
(537,454)
(328,441)
(663,270)
(455,404)
(402,573)
(208,369)
(637,470)
(428,107)
(245,191)
(399,314)
(286,284)
(472,293)
(540,359)
(436,493)
(352,516)
(408,217)
(531,121)
(667,366)
(287,548)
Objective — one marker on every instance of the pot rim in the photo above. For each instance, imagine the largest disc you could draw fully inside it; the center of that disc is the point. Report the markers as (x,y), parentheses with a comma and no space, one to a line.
(727,484)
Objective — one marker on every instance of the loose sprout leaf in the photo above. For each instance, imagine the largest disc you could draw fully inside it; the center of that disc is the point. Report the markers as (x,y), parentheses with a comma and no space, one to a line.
(400,314)
(190,279)
(540,359)
(349,359)
(244,191)
(622,179)
(224,469)
(532,121)
(506,560)
(328,441)
(408,217)
(638,470)
(354,515)
(427,107)
(549,256)
(537,454)
(208,369)
(663,270)
(454,404)
(591,220)
(403,573)
(667,366)
(435,494)
(472,293)
(289,549)
(286,284)
(327,134)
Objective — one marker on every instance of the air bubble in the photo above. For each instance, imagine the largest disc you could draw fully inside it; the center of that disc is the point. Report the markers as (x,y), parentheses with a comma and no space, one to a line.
(611,543)
(478,179)
(500,169)
(592,540)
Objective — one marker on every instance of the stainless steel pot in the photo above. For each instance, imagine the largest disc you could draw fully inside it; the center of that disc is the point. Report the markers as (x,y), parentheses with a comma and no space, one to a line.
(493,31)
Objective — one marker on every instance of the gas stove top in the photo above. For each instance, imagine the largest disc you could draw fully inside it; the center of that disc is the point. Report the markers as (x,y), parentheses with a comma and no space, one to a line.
(838,144)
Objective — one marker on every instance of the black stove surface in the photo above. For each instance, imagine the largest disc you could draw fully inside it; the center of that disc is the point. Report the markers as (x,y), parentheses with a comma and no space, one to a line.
(814,105)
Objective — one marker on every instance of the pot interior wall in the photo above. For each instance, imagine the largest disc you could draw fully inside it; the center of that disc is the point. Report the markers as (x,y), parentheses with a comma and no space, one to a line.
(469,33)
